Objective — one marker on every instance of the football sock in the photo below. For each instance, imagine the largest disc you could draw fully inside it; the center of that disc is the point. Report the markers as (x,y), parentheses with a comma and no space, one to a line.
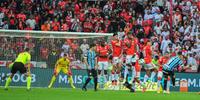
(95,83)
(8,81)
(133,85)
(173,81)
(158,84)
(153,74)
(28,82)
(52,81)
(87,81)
(145,78)
(113,76)
(168,85)
(71,81)
(165,84)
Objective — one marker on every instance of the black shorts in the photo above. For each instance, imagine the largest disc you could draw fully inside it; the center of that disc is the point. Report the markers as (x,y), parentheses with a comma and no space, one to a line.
(168,73)
(18,66)
(92,72)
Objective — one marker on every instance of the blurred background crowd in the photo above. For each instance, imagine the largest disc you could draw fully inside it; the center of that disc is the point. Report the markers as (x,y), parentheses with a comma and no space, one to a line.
(171,25)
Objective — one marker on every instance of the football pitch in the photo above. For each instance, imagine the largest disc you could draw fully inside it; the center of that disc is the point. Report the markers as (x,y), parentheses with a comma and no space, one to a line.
(78,94)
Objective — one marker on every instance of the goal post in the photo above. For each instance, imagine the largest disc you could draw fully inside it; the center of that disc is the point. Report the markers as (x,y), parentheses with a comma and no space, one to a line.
(47,46)
(51,34)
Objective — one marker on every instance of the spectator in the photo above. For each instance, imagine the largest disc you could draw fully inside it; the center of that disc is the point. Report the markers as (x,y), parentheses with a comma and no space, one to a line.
(191,61)
(1,16)
(65,48)
(84,47)
(31,22)
(45,27)
(87,25)
(177,24)
(164,44)
(165,33)
(44,53)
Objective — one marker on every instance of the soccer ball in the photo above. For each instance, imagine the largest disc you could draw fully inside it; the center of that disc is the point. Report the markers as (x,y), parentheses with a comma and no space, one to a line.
(141,61)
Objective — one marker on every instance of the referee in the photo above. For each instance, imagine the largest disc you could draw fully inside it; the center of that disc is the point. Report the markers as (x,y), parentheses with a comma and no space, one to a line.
(91,63)
(19,65)
(169,68)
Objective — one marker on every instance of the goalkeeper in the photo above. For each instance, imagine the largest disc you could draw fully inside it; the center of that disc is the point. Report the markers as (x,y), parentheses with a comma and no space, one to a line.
(19,65)
(62,64)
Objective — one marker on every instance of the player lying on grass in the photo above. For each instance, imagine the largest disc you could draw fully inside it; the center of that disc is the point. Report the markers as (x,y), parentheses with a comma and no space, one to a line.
(19,65)
(169,69)
(62,64)
(91,63)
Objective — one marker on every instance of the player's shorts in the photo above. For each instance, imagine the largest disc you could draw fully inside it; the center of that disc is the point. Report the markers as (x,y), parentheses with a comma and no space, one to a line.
(18,66)
(160,74)
(168,73)
(63,69)
(116,60)
(135,73)
(128,59)
(92,72)
(103,65)
(150,66)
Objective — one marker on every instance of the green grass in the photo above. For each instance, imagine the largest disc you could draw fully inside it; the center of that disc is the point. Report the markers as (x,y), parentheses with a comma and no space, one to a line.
(77,94)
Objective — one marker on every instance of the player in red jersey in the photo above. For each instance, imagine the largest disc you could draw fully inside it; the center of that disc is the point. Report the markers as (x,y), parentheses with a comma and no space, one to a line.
(136,72)
(162,60)
(117,55)
(131,49)
(147,52)
(103,53)
(130,46)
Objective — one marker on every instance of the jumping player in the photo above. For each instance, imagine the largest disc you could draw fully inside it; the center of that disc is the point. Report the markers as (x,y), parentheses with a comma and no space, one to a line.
(103,53)
(162,60)
(117,54)
(130,46)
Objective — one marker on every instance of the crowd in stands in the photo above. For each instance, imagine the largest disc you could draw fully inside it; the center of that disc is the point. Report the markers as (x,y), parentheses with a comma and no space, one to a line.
(171,25)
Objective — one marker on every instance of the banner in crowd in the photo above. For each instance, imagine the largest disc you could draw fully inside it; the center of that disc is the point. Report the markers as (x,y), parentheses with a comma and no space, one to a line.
(41,78)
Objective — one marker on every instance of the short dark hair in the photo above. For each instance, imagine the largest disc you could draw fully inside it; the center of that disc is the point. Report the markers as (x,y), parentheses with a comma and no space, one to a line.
(65,54)
(115,34)
(27,49)
(92,45)
(179,53)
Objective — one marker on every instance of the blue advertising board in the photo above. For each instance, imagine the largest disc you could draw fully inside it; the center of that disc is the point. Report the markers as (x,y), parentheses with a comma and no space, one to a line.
(42,77)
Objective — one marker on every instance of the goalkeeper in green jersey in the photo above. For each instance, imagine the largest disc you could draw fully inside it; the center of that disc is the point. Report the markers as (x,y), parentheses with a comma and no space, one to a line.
(19,65)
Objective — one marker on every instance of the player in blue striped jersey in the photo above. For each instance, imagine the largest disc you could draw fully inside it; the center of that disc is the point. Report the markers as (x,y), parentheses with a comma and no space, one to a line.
(169,69)
(91,63)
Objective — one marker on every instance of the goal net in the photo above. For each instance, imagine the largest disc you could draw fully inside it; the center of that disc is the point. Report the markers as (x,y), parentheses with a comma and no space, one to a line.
(47,46)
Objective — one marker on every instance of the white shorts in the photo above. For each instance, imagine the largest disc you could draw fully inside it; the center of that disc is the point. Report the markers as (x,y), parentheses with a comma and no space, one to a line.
(116,60)
(128,59)
(150,66)
(160,74)
(135,73)
(103,65)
